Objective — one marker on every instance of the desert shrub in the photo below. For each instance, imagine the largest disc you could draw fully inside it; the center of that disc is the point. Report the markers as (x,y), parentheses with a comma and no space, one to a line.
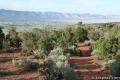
(68,36)
(119,43)
(7,47)
(98,53)
(45,39)
(108,26)
(89,42)
(73,50)
(95,35)
(46,43)
(80,34)
(57,67)
(4,72)
(2,36)
(107,48)
(27,43)
(29,64)
(65,37)
(38,39)
(58,51)
(40,78)
(13,38)
(114,67)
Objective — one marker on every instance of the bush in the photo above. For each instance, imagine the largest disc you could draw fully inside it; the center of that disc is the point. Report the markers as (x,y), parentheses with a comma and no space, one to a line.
(107,48)
(2,36)
(7,47)
(80,35)
(46,39)
(98,53)
(95,35)
(4,72)
(114,67)
(29,64)
(73,50)
(37,39)
(40,78)
(57,67)
(65,38)
(13,38)
(28,43)
(68,36)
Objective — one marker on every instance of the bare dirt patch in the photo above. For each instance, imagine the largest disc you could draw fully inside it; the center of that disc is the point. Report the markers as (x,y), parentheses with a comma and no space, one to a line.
(9,72)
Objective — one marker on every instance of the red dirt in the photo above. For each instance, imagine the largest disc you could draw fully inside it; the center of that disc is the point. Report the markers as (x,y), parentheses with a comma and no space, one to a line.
(26,76)
(86,67)
(81,45)
(6,64)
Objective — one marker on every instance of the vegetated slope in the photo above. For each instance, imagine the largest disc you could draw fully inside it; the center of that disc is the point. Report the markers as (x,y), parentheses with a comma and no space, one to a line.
(38,16)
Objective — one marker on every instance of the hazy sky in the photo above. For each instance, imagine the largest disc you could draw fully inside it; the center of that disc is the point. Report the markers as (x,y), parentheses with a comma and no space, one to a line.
(66,6)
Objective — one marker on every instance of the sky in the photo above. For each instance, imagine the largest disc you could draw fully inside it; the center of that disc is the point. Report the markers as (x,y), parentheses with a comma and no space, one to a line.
(64,6)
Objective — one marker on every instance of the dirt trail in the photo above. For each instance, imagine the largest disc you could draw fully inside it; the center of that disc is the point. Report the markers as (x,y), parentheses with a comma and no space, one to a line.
(85,66)
(7,66)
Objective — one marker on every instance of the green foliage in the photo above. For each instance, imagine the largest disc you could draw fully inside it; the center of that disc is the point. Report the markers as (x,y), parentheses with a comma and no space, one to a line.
(69,36)
(46,39)
(73,50)
(8,42)
(94,35)
(65,37)
(2,36)
(38,39)
(7,47)
(13,38)
(108,26)
(109,46)
(46,42)
(117,56)
(114,67)
(27,43)
(29,64)
(4,72)
(41,78)
(57,66)
(80,34)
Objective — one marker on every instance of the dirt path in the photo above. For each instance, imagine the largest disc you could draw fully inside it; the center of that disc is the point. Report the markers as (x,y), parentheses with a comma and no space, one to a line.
(85,66)
(12,71)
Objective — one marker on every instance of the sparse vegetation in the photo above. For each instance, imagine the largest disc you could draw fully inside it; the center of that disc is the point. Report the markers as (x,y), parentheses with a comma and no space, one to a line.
(50,47)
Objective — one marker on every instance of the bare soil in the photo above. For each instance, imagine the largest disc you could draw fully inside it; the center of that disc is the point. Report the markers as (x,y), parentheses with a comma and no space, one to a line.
(11,72)
(86,67)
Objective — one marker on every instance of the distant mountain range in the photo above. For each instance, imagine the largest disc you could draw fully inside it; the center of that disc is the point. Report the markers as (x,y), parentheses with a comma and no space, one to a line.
(11,15)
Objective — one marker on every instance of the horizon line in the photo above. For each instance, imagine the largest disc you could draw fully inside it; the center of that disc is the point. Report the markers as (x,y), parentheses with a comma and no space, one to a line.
(58,12)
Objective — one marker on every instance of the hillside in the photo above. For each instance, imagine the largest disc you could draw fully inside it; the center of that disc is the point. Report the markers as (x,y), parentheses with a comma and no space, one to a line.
(11,15)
